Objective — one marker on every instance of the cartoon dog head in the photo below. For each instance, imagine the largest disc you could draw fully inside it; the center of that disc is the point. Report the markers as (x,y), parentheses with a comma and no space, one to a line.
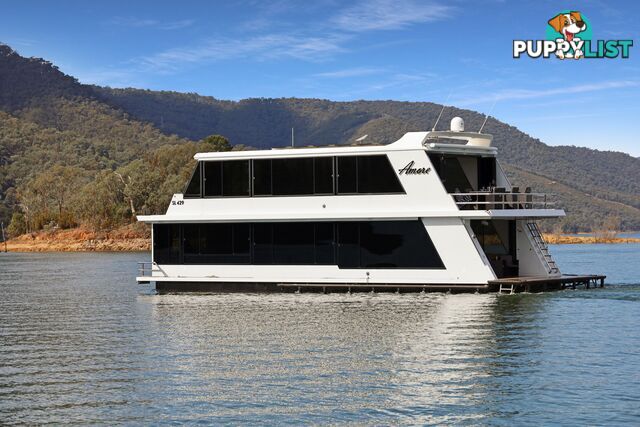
(568,24)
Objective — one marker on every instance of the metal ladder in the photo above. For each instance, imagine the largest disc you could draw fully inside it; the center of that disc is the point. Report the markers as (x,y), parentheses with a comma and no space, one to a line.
(552,267)
(504,288)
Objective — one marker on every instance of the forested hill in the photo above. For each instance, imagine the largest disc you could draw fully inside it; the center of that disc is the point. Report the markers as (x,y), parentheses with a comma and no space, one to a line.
(131,147)
(267,123)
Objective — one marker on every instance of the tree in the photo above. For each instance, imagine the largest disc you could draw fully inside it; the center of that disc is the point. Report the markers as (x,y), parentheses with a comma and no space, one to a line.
(217,143)
(49,197)
(609,229)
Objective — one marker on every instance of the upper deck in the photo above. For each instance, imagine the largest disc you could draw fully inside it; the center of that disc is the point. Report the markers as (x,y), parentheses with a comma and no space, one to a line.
(469,144)
(423,174)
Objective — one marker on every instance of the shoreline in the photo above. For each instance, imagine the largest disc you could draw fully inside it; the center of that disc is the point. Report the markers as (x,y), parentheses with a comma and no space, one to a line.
(130,238)
(565,239)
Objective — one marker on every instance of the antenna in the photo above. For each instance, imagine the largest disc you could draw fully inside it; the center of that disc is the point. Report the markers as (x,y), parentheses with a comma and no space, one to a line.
(441,111)
(292,138)
(486,116)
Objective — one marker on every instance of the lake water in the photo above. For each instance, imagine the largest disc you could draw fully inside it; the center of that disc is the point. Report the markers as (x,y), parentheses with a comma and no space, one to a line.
(81,342)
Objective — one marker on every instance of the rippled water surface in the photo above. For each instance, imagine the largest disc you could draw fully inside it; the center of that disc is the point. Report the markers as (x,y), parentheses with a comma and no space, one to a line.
(81,342)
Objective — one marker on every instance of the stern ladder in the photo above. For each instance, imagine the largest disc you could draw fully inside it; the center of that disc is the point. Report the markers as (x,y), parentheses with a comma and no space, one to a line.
(543,249)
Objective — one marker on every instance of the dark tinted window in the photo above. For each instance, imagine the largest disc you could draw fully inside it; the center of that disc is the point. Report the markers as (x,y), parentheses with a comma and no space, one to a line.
(235,178)
(376,244)
(193,188)
(292,176)
(323,175)
(288,177)
(242,240)
(293,243)
(262,243)
(324,243)
(212,179)
(380,244)
(216,239)
(262,177)
(397,244)
(214,243)
(348,244)
(451,173)
(166,243)
(191,243)
(347,175)
(376,175)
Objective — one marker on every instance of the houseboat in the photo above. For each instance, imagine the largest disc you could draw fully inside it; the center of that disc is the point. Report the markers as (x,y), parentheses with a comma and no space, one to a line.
(431,211)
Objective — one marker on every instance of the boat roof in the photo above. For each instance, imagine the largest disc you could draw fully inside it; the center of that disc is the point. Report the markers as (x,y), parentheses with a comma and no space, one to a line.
(470,143)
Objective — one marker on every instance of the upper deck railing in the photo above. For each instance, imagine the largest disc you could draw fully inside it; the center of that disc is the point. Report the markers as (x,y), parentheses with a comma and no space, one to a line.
(497,198)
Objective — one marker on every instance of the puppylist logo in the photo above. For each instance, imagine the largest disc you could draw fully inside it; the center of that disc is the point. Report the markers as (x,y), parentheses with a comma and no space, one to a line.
(569,36)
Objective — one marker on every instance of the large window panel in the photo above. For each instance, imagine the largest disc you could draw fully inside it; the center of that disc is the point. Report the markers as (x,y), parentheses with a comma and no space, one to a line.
(161,243)
(212,179)
(262,177)
(347,175)
(166,243)
(293,243)
(216,239)
(263,243)
(191,243)
(292,176)
(381,244)
(242,240)
(235,178)
(323,175)
(376,176)
(348,245)
(397,244)
(193,188)
(324,243)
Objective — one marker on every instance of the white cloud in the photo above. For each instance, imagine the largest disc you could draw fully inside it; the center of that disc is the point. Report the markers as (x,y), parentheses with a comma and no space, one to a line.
(515,94)
(270,46)
(313,43)
(133,22)
(389,15)
(106,77)
(349,72)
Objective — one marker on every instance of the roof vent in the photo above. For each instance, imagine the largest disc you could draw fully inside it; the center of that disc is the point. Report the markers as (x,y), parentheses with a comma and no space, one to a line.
(457,124)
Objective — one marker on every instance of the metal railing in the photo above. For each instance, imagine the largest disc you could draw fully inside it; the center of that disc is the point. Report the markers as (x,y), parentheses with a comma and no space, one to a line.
(491,200)
(145,268)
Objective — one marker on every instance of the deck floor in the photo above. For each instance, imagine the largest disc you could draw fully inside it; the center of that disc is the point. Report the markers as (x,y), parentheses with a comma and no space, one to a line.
(541,283)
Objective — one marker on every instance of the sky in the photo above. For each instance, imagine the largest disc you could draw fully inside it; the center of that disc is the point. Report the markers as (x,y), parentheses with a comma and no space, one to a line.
(455,52)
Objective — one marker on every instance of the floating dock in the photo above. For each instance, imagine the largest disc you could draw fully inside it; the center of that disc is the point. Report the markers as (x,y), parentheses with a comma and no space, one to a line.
(541,284)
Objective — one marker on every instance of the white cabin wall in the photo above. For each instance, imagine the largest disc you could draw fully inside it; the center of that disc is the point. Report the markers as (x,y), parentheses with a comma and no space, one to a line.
(529,262)
(458,251)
